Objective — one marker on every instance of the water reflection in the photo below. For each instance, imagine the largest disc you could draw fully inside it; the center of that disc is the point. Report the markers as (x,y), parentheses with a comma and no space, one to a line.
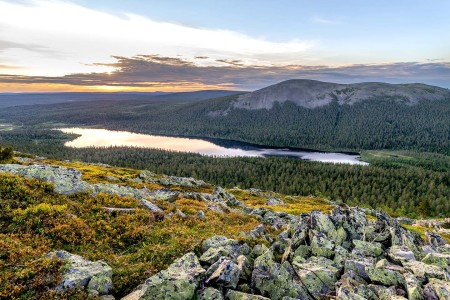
(105,138)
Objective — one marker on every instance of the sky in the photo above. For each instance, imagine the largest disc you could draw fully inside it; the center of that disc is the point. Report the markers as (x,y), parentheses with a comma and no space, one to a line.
(176,45)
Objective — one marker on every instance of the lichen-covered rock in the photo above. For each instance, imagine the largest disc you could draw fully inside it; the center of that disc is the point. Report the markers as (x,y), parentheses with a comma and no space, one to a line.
(400,254)
(164,194)
(82,273)
(345,294)
(225,274)
(424,271)
(317,274)
(245,267)
(151,177)
(434,239)
(209,294)
(274,201)
(441,288)
(413,287)
(220,195)
(368,249)
(150,206)
(217,246)
(66,181)
(385,277)
(235,295)
(437,259)
(179,281)
(321,245)
(276,280)
(358,266)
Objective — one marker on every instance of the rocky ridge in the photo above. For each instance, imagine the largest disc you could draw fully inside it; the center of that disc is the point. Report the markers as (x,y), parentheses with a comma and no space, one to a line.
(349,253)
(312,94)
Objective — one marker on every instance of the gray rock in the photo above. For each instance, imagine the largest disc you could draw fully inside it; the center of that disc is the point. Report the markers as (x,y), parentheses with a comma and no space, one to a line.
(274,201)
(275,280)
(434,239)
(179,281)
(219,246)
(150,206)
(209,294)
(413,287)
(82,273)
(385,277)
(151,177)
(424,271)
(235,295)
(400,254)
(317,274)
(164,194)
(368,249)
(201,214)
(321,245)
(118,210)
(226,274)
(437,259)
(441,288)
(65,180)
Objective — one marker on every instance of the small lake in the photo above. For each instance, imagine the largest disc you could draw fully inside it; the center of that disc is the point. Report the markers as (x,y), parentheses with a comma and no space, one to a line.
(211,147)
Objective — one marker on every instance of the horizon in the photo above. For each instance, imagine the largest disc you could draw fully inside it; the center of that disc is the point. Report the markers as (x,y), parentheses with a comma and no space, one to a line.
(175,46)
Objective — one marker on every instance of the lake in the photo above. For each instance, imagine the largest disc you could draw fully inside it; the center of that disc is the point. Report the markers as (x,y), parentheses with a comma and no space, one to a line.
(211,147)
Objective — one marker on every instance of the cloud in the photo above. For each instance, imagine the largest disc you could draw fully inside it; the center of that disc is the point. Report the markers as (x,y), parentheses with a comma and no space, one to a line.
(83,36)
(154,71)
(326,21)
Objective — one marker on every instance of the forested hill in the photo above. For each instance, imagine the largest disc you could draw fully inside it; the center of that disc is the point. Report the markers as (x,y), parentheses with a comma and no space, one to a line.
(413,117)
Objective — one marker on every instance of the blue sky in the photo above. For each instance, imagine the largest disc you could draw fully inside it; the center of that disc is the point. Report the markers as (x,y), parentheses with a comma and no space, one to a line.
(60,42)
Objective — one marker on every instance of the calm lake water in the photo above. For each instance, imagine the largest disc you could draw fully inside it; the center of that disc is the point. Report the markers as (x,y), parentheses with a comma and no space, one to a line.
(104,138)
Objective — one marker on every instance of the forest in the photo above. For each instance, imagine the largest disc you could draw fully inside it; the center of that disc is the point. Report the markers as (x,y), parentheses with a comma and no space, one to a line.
(374,124)
(413,187)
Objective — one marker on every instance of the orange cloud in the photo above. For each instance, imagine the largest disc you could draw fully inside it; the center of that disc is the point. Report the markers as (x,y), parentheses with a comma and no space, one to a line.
(56,87)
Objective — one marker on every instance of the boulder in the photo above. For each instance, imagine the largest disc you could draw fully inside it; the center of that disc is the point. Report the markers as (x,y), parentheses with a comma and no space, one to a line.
(66,181)
(209,294)
(399,254)
(245,267)
(358,266)
(150,206)
(275,280)
(226,274)
(164,194)
(437,259)
(79,272)
(235,295)
(321,245)
(179,281)
(413,287)
(440,288)
(434,239)
(424,271)
(367,249)
(345,294)
(317,274)
(274,201)
(385,277)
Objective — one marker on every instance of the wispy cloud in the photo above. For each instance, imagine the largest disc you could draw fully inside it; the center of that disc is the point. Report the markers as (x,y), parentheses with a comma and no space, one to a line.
(153,72)
(326,21)
(84,35)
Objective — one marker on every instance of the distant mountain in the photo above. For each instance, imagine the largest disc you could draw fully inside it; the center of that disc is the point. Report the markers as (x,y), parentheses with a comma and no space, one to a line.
(295,113)
(312,94)
(19,99)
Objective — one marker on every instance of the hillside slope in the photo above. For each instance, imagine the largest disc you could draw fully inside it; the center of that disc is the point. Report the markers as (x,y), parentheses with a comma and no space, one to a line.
(71,230)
